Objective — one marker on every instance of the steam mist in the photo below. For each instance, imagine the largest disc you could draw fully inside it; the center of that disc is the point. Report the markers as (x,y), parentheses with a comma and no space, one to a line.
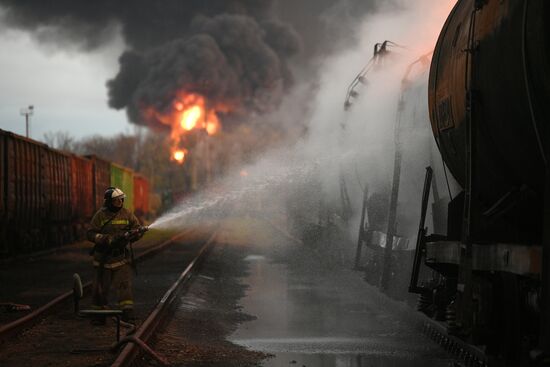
(363,152)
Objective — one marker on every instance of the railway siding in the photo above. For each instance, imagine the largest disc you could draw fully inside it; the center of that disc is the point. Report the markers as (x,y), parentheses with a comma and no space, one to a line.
(63,339)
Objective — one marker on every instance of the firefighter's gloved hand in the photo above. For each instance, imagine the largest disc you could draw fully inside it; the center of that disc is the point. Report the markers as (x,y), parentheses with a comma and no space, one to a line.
(102,239)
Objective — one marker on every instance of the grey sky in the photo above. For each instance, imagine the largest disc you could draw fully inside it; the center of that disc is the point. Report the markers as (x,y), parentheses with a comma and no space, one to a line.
(67,87)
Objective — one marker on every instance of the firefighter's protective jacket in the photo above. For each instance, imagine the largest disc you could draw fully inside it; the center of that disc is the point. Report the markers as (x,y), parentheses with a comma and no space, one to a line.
(110,247)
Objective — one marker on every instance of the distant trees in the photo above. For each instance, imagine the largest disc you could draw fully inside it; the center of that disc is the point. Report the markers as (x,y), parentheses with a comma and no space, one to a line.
(61,140)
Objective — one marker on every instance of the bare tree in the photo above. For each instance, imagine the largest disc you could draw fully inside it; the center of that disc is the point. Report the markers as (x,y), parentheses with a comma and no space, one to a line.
(61,140)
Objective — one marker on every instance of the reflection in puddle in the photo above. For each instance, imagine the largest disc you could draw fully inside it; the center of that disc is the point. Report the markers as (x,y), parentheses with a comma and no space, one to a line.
(346,360)
(254,258)
(326,320)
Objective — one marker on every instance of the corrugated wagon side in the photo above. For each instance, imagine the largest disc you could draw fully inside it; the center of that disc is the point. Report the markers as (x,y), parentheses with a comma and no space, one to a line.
(24,194)
(57,189)
(141,196)
(4,245)
(101,177)
(82,193)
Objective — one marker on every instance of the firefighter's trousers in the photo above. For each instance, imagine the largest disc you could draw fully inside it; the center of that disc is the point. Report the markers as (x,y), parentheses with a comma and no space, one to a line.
(120,280)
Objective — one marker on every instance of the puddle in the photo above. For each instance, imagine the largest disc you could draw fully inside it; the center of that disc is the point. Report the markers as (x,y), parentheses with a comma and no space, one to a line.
(254,258)
(326,320)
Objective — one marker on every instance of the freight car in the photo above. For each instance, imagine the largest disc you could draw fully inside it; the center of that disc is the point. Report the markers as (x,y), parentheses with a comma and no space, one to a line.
(141,197)
(489,89)
(47,197)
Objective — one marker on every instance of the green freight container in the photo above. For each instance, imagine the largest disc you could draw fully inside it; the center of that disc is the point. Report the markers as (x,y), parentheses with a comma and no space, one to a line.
(123,178)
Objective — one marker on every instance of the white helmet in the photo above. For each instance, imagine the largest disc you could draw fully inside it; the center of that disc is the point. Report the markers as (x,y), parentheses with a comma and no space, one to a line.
(114,193)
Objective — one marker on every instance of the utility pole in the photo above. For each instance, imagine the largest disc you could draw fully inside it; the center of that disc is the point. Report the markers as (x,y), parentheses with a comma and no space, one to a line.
(27,112)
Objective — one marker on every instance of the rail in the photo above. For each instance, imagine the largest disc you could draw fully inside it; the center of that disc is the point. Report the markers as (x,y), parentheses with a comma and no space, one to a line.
(146,330)
(28,320)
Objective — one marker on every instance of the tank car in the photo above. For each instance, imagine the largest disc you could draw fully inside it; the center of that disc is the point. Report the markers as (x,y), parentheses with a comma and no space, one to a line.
(489,88)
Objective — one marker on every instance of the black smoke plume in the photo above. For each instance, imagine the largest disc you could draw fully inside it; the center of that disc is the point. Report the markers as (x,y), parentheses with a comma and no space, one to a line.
(233,52)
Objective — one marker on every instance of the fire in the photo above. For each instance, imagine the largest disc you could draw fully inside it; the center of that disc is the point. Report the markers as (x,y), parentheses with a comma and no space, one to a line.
(191,117)
(189,112)
(212,125)
(179,156)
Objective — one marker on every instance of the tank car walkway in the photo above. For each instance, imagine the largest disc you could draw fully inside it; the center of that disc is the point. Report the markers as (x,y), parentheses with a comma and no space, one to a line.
(36,281)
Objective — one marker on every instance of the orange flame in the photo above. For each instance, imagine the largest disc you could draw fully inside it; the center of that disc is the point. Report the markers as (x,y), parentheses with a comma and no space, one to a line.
(189,112)
(190,117)
(179,155)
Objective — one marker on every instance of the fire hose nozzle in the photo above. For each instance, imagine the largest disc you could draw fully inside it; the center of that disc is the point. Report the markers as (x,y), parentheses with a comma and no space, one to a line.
(136,234)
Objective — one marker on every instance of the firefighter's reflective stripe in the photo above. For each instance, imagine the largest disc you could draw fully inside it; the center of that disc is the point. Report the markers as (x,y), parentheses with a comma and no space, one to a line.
(111,265)
(116,221)
(126,303)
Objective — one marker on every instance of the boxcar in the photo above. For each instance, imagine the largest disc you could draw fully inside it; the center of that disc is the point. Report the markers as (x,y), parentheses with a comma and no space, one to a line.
(123,178)
(47,197)
(101,177)
(141,196)
(23,189)
(57,191)
(82,193)
(4,244)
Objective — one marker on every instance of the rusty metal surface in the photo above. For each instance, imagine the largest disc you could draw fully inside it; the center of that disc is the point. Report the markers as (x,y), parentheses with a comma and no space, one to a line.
(517,259)
(25,199)
(508,151)
(82,198)
(57,182)
(141,195)
(4,248)
(101,179)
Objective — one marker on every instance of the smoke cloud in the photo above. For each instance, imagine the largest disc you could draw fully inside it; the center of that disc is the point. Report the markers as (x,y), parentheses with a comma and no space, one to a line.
(233,52)
(237,53)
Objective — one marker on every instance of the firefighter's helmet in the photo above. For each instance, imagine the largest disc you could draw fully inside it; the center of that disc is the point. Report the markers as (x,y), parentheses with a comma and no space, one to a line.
(114,193)
(110,194)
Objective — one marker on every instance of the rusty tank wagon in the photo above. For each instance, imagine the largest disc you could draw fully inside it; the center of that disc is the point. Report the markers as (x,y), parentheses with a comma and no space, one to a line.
(489,88)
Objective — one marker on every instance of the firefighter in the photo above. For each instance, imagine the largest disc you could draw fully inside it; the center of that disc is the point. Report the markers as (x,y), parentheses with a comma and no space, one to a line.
(113,227)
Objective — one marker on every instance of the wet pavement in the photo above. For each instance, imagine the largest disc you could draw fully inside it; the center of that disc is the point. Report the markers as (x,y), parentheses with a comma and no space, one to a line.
(327,318)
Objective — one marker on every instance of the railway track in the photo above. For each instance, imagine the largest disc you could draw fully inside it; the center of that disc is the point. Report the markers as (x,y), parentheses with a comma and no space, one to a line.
(27,320)
(469,355)
(53,333)
(137,341)
(89,346)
